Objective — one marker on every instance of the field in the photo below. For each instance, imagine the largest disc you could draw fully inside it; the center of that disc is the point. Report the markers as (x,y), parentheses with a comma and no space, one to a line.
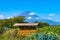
(45,33)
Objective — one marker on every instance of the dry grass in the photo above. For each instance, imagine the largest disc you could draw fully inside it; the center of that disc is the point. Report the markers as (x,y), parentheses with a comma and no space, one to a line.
(25,32)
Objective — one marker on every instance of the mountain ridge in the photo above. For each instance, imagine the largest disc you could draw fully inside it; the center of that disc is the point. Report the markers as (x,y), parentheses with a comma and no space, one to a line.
(32,17)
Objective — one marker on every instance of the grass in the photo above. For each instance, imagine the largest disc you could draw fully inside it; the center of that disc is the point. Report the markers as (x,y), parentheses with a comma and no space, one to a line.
(11,34)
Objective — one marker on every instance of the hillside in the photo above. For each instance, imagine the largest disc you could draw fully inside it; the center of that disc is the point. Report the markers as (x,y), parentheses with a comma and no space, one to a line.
(11,34)
(44,31)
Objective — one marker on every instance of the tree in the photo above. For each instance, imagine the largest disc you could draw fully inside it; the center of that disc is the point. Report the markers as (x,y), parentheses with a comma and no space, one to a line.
(10,22)
(36,22)
(43,24)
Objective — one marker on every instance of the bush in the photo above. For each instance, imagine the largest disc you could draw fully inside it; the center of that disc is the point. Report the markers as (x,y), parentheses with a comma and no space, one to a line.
(39,36)
(1,30)
(42,24)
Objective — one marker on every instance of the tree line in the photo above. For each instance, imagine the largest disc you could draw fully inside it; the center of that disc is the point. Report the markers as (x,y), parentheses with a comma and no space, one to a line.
(8,23)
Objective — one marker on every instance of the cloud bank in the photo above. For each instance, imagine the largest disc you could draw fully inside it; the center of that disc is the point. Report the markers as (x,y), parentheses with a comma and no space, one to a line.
(32,13)
(51,14)
(1,16)
(29,17)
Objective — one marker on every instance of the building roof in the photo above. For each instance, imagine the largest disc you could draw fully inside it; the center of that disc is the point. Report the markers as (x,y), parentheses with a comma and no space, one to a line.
(25,24)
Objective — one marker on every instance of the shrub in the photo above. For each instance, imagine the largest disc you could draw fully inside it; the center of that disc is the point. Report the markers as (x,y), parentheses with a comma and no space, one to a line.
(42,36)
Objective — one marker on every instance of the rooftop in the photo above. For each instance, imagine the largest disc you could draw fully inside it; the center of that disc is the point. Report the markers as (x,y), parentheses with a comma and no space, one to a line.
(25,24)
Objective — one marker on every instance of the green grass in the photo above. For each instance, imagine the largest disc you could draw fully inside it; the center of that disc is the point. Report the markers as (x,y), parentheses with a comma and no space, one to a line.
(11,34)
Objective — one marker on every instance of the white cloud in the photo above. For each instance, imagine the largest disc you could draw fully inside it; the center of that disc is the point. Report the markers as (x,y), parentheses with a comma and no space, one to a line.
(37,17)
(57,20)
(9,17)
(1,16)
(51,14)
(29,17)
(32,13)
(49,18)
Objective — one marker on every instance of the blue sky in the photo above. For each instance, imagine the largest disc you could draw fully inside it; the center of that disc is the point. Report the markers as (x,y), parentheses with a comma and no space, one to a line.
(46,9)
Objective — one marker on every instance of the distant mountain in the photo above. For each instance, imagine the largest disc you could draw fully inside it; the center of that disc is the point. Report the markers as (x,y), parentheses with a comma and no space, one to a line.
(32,17)
(25,13)
(29,16)
(49,21)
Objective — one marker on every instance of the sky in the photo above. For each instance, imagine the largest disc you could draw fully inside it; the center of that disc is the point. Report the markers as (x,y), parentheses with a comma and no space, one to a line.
(46,9)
